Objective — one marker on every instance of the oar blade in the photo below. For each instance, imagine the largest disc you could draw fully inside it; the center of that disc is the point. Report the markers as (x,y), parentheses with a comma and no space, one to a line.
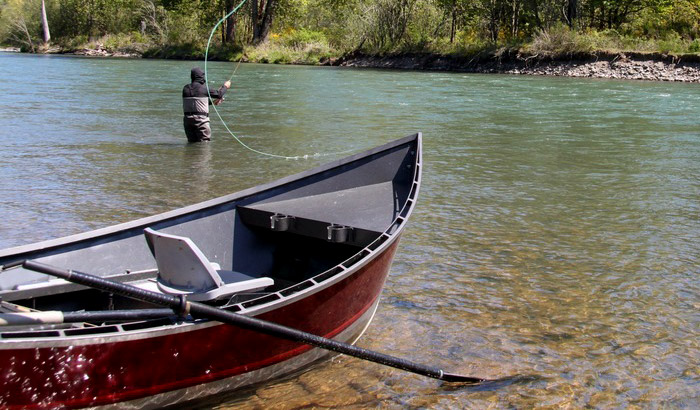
(458,378)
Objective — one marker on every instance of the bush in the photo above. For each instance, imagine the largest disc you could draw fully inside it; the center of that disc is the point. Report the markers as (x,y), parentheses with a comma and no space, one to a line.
(277,52)
(672,43)
(72,43)
(560,40)
(301,37)
(124,41)
(694,46)
(187,51)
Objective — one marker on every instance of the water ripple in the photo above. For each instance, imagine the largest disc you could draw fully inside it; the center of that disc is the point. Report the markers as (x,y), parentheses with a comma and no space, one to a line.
(556,235)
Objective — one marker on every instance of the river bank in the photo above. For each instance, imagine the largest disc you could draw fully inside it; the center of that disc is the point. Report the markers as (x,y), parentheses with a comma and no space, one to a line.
(625,66)
(628,66)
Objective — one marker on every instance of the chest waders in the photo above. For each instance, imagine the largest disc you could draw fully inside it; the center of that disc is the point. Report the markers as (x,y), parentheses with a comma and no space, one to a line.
(196,119)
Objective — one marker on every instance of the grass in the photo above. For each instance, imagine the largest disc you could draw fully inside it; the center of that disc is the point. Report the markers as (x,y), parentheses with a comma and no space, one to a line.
(560,41)
(293,47)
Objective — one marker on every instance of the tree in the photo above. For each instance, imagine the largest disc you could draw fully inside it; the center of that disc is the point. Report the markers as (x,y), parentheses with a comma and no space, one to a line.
(20,23)
(153,21)
(385,22)
(262,13)
(571,13)
(45,23)
(229,32)
(455,9)
(610,14)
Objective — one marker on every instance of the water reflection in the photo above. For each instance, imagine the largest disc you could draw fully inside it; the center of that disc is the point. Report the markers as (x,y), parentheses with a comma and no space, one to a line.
(197,159)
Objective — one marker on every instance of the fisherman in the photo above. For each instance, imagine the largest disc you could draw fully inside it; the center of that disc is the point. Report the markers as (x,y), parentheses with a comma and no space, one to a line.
(195,104)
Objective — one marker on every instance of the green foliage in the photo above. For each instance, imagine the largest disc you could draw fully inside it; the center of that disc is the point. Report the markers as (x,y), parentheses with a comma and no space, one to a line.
(73,43)
(182,51)
(183,31)
(224,52)
(293,47)
(19,23)
(92,18)
(314,30)
(694,47)
(301,37)
(560,40)
(672,43)
(126,42)
(420,32)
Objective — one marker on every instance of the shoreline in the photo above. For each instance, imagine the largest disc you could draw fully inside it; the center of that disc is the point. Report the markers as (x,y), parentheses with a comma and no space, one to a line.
(620,66)
(602,65)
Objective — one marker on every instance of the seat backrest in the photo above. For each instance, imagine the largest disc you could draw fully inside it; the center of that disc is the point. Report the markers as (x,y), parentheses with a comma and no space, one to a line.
(181,264)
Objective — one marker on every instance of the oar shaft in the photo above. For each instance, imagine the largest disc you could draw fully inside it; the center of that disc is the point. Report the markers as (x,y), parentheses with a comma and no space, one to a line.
(116,315)
(246,322)
(57,317)
(275,329)
(103,284)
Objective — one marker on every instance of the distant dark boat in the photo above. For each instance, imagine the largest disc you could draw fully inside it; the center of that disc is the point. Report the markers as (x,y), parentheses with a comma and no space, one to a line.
(311,251)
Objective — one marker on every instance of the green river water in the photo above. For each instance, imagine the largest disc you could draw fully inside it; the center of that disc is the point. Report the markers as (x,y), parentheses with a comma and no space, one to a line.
(557,232)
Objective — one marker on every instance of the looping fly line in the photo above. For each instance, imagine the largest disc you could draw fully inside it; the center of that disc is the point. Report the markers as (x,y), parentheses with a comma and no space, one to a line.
(206,76)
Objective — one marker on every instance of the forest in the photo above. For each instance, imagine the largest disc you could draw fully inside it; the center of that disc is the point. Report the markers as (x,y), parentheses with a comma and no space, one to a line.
(310,31)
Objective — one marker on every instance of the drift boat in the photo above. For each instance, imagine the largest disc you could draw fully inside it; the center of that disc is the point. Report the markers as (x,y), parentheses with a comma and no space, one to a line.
(311,252)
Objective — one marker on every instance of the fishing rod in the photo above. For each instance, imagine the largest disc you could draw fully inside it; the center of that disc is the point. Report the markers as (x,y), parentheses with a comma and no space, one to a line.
(220,100)
(236,69)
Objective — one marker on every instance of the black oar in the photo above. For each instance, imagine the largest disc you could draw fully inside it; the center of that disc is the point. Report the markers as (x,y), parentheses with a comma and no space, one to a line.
(183,307)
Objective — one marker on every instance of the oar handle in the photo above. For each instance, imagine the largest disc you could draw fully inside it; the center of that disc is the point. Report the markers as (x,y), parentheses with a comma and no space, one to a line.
(180,305)
(58,317)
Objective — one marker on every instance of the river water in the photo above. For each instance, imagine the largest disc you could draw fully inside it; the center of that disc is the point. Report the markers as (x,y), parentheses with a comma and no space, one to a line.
(557,233)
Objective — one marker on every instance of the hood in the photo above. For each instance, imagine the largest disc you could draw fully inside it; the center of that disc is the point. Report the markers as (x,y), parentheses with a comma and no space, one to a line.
(197,75)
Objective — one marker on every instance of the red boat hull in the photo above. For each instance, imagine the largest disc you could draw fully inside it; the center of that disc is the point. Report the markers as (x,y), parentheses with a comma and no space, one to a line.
(110,369)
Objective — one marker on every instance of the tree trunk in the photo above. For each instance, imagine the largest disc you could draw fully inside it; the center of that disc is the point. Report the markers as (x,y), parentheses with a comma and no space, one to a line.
(493,21)
(571,12)
(536,12)
(270,6)
(254,20)
(230,29)
(263,12)
(453,27)
(515,19)
(45,23)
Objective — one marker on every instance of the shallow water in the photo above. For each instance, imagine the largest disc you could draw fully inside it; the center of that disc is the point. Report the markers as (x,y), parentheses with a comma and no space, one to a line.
(557,232)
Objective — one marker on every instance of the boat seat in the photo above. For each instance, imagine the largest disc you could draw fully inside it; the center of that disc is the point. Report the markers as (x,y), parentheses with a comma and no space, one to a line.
(184,270)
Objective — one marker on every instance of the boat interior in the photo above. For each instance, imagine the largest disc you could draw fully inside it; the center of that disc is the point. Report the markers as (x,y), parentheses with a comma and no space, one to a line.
(244,253)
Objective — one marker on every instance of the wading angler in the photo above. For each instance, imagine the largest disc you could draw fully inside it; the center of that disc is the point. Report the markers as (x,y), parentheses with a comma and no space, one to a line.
(196,99)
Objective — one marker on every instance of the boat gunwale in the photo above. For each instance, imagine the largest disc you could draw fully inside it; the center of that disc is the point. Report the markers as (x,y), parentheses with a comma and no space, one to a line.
(387,238)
